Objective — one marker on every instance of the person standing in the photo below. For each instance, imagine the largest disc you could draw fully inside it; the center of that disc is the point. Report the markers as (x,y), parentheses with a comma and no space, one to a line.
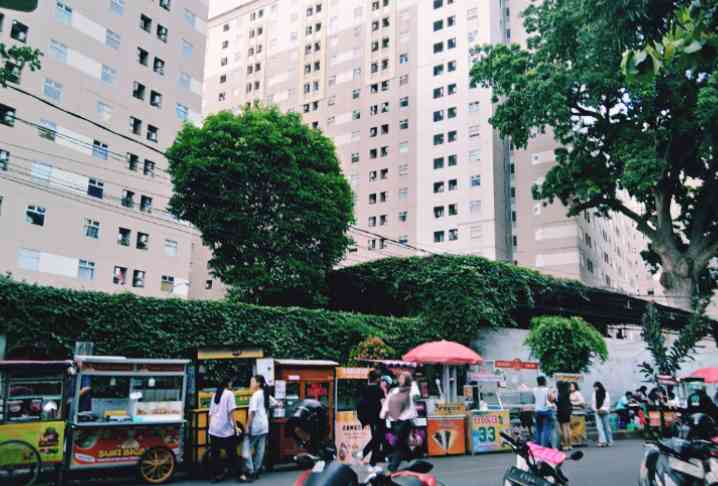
(369,409)
(602,407)
(577,400)
(257,426)
(563,412)
(222,429)
(543,408)
(398,411)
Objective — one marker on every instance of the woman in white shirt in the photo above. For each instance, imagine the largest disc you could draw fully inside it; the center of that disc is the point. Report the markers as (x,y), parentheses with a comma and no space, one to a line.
(257,424)
(222,428)
(602,407)
(400,410)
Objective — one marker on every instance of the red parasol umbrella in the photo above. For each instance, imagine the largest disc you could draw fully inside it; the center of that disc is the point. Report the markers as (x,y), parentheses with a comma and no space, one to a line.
(709,375)
(443,352)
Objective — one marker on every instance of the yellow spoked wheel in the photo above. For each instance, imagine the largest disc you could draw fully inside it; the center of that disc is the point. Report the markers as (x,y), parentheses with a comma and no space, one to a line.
(157,465)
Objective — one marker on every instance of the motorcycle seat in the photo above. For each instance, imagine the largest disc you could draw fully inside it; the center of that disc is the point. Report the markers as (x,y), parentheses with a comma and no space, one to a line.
(547,454)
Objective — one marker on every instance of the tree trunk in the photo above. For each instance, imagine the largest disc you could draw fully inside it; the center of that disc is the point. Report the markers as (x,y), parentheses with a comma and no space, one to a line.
(679,288)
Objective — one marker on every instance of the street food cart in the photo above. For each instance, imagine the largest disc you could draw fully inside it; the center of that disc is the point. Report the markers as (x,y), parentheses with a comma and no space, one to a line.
(487,417)
(295,380)
(32,418)
(211,364)
(128,412)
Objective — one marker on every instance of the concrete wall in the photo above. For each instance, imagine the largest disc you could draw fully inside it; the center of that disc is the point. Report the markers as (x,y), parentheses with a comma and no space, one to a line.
(618,374)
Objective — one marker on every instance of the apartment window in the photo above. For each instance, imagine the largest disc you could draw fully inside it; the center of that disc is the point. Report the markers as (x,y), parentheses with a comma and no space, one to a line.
(451,112)
(355,157)
(146,204)
(104,111)
(182,112)
(403,193)
(156,99)
(58,51)
(138,90)
(438,236)
(475,181)
(28,259)
(403,216)
(472,13)
(438,163)
(372,198)
(384,174)
(474,107)
(356,74)
(438,70)
(152,133)
(167,284)
(451,66)
(438,92)
(453,184)
(138,278)
(453,210)
(119,275)
(384,151)
(475,207)
(188,48)
(112,39)
(95,188)
(47,130)
(190,17)
(438,139)
(453,136)
(99,150)
(403,58)
(143,241)
(438,25)
(63,13)
(165,4)
(128,198)
(438,47)
(589,242)
(451,43)
(4,158)
(475,155)
(170,248)
(86,270)
(35,215)
(41,172)
(149,168)
(52,89)
(91,228)
(19,31)
(372,221)
(117,7)
(124,236)
(451,89)
(438,212)
(453,234)
(403,80)
(135,125)
(438,4)
(438,187)
(382,196)
(589,265)
(109,75)
(404,124)
(356,93)
(145,23)
(143,56)
(474,131)
(403,147)
(438,115)
(132,162)
(159,66)
(404,102)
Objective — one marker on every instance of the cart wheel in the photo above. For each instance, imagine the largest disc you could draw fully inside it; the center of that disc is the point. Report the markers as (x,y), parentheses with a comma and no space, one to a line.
(157,465)
(19,463)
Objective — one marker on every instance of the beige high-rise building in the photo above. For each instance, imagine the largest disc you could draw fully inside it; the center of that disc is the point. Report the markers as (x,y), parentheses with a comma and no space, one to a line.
(388,81)
(82,207)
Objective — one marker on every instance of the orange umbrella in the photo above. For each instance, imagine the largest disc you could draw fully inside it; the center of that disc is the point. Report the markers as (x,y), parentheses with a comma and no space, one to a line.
(443,352)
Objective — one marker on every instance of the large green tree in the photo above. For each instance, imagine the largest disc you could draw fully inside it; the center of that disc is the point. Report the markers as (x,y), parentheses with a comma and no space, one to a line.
(268,195)
(619,137)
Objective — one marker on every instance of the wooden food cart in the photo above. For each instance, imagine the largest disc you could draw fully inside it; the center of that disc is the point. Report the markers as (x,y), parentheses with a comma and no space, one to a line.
(128,413)
(211,363)
(295,380)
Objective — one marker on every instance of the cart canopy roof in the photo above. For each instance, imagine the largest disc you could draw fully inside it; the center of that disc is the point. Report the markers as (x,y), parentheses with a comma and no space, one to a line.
(29,365)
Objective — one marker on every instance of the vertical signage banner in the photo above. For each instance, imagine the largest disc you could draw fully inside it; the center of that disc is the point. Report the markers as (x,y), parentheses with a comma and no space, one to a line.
(351,437)
(486,428)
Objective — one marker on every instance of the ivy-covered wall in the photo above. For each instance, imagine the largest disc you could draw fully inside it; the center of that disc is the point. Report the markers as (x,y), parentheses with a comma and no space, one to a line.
(44,322)
(457,295)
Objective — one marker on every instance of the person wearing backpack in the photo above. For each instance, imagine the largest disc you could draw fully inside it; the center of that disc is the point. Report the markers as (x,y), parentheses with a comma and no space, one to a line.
(368,410)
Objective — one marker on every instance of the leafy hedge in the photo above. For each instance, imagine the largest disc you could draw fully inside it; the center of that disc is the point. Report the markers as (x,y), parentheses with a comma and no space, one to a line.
(44,322)
(456,295)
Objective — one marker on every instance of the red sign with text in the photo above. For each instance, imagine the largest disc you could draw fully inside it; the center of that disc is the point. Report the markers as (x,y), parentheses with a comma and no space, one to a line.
(121,445)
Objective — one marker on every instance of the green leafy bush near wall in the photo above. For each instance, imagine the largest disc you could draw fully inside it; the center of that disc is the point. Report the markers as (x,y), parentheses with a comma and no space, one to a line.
(455,295)
(44,322)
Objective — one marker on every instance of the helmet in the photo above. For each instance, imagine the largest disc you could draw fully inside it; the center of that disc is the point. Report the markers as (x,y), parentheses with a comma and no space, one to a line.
(701,427)
(309,424)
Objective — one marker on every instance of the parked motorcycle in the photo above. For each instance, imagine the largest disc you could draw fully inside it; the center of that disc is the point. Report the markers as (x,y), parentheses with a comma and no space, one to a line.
(690,459)
(321,467)
(536,465)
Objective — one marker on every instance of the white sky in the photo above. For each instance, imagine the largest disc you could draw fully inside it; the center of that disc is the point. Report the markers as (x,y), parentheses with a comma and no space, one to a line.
(218,6)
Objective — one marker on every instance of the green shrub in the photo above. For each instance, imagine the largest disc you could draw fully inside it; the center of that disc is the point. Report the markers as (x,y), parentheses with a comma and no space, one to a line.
(44,322)
(370,348)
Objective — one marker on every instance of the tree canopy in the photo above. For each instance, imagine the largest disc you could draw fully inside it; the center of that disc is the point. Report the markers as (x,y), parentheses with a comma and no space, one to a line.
(567,345)
(644,148)
(268,195)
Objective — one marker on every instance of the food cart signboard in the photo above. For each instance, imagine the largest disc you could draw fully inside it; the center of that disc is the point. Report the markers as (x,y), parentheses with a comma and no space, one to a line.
(446,435)
(447,409)
(568,377)
(353,373)
(46,437)
(350,436)
(95,446)
(516,364)
(486,428)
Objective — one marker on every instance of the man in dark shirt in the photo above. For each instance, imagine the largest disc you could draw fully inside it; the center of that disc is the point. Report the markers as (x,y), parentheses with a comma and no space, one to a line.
(368,410)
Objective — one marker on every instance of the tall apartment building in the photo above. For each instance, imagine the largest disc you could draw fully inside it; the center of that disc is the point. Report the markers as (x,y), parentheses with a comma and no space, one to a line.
(388,81)
(82,207)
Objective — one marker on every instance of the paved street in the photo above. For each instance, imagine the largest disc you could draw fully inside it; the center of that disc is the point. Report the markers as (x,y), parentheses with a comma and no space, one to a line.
(617,466)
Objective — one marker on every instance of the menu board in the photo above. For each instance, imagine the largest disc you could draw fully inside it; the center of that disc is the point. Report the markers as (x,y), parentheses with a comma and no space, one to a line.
(486,428)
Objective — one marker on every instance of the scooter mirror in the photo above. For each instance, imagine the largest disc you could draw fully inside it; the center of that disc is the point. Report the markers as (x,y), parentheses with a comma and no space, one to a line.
(576,455)
(419,466)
